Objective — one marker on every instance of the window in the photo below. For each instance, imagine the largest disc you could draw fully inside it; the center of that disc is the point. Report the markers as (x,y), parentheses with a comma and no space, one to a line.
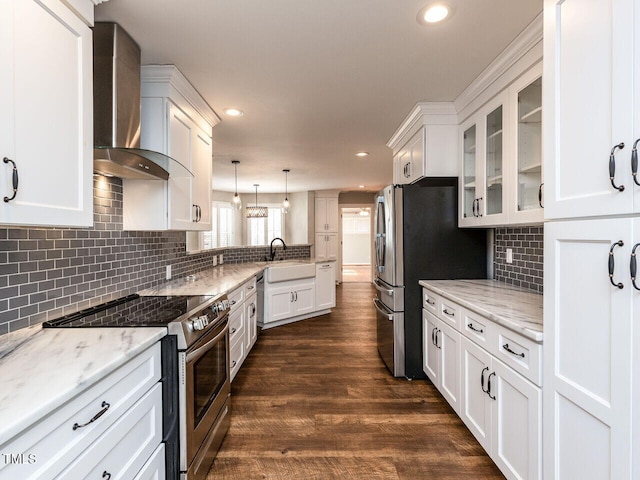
(262,230)
(221,234)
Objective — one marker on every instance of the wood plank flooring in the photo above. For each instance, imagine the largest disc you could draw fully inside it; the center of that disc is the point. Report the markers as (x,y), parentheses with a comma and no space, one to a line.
(314,401)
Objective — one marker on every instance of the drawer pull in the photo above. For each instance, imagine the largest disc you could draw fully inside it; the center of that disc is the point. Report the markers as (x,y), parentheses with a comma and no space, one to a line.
(619,243)
(506,347)
(14,179)
(447,312)
(251,287)
(482,378)
(471,327)
(492,397)
(634,162)
(612,167)
(233,302)
(105,406)
(634,266)
(233,364)
(106,475)
(233,330)
(430,302)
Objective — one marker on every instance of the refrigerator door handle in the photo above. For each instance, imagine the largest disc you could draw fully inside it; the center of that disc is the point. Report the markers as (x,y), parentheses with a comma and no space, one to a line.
(382,309)
(381,288)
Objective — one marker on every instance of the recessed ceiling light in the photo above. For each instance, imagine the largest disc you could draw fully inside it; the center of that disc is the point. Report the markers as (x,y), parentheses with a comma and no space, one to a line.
(434,13)
(362,154)
(233,112)
(360,186)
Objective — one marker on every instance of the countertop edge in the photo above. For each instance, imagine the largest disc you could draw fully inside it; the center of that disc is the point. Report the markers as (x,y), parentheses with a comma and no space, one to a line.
(534,335)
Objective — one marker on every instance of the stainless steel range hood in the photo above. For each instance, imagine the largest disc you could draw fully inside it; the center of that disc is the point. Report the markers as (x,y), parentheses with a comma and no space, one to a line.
(116,110)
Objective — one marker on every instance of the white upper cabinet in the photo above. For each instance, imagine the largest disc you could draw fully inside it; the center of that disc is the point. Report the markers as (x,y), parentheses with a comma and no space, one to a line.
(326,213)
(484,168)
(589,58)
(178,122)
(46,122)
(425,144)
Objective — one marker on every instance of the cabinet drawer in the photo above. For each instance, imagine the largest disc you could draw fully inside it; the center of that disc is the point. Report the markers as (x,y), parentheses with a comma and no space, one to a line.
(154,469)
(56,444)
(125,447)
(449,313)
(479,329)
(249,287)
(236,298)
(430,301)
(236,356)
(236,325)
(520,353)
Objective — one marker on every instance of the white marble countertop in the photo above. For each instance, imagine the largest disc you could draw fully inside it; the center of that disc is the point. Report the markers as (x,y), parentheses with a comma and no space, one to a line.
(513,307)
(218,280)
(41,369)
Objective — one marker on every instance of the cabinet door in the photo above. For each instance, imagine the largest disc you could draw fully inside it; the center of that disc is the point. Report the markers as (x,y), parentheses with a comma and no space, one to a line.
(321,246)
(332,214)
(429,349)
(517,422)
(202,158)
(279,304)
(305,298)
(181,211)
(525,205)
(587,372)
(587,40)
(325,286)
(46,123)
(475,410)
(321,215)
(468,203)
(449,343)
(251,317)
(332,246)
(491,199)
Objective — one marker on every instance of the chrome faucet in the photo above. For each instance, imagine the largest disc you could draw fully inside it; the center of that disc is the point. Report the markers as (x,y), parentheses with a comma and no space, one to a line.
(272,250)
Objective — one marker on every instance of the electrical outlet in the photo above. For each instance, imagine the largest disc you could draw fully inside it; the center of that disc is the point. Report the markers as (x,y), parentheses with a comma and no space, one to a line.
(215,260)
(168,274)
(509,255)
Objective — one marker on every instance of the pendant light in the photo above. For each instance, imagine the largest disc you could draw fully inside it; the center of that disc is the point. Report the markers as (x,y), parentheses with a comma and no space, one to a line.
(237,202)
(257,212)
(286,205)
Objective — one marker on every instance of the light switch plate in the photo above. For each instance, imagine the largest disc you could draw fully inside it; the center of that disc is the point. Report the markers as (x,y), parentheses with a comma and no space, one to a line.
(509,255)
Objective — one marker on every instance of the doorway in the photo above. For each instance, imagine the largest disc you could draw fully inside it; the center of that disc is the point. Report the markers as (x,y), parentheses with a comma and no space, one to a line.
(356,243)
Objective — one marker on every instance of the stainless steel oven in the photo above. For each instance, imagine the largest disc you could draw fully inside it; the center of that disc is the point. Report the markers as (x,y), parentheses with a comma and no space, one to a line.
(205,389)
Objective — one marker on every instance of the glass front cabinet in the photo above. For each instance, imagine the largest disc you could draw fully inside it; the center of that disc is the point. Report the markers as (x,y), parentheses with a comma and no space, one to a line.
(483,146)
(501,158)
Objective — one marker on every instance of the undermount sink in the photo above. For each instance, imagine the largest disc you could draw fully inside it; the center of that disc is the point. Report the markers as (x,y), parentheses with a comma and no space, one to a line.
(289,271)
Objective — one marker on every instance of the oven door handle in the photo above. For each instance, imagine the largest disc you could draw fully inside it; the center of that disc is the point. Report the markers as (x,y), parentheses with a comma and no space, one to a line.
(381,288)
(200,351)
(382,309)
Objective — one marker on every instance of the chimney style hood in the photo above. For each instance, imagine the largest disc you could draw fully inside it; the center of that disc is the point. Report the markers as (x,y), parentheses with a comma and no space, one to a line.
(116,110)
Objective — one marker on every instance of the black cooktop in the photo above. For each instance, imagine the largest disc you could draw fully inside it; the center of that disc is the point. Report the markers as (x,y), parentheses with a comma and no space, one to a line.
(130,311)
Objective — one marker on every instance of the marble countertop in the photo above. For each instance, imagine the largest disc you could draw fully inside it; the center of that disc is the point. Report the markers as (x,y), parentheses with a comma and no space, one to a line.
(513,307)
(218,280)
(41,369)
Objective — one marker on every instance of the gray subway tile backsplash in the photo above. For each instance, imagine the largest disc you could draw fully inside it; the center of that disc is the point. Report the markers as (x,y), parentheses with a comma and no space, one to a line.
(49,272)
(527,245)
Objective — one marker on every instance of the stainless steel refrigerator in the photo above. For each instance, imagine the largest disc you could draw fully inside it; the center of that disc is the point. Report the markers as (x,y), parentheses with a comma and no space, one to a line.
(417,238)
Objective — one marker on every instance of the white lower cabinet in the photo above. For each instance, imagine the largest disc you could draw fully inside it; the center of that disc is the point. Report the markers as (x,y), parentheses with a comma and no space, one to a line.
(326,246)
(491,377)
(154,469)
(503,410)
(325,285)
(251,319)
(114,426)
(441,345)
(243,330)
(290,299)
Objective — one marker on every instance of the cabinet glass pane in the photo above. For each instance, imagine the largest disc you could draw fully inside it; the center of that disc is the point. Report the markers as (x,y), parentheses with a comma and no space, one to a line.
(529,145)
(494,162)
(469,152)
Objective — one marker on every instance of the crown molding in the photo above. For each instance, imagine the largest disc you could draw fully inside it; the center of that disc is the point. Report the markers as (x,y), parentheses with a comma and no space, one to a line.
(523,43)
(170,75)
(423,113)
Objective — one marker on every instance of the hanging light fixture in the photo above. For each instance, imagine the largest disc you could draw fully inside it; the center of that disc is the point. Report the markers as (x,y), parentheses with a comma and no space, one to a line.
(286,205)
(257,211)
(237,202)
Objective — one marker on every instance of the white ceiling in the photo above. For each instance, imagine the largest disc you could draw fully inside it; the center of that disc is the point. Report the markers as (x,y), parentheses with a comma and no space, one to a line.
(318,80)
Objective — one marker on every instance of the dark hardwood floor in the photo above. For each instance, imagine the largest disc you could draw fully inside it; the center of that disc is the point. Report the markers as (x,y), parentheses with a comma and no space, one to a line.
(314,401)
